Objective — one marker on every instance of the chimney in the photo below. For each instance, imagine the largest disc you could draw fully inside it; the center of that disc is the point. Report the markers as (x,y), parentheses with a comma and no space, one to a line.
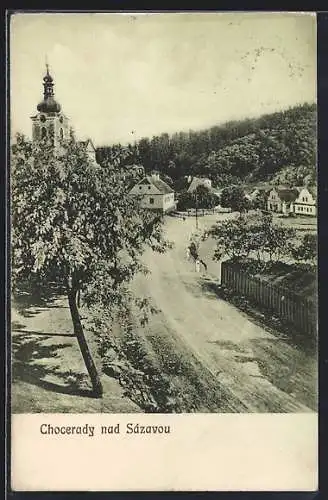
(155,176)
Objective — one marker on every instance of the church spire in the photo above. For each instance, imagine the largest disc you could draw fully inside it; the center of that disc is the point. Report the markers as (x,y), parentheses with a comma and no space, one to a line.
(48,83)
(48,105)
(49,123)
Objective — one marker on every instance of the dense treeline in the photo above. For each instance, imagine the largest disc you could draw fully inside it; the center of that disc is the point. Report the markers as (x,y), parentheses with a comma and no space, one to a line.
(280,147)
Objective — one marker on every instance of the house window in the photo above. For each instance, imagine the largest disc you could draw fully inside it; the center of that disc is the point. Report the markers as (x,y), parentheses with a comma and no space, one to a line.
(151,201)
(61,134)
(43,132)
(149,187)
(140,187)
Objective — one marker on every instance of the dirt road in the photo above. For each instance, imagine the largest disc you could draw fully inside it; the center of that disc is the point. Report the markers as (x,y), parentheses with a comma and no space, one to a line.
(259,371)
(212,353)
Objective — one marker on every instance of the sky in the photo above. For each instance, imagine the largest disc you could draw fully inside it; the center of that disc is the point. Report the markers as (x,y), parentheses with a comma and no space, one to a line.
(121,77)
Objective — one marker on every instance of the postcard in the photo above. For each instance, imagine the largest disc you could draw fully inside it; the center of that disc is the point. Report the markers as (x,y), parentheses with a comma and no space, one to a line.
(163,204)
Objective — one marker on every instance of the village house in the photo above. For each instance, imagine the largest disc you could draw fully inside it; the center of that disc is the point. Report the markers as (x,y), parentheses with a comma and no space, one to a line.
(296,200)
(155,194)
(305,203)
(89,149)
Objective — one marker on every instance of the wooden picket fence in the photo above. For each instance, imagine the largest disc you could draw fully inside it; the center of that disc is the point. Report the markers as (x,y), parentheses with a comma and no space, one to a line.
(300,312)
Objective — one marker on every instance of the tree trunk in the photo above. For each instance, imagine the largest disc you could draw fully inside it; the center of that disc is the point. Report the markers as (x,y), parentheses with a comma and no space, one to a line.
(85,351)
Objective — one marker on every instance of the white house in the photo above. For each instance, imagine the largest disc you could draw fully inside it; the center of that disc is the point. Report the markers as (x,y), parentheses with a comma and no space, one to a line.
(305,203)
(154,194)
(89,149)
(295,200)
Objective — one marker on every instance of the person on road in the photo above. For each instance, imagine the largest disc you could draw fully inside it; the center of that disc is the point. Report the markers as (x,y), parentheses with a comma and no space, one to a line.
(197,265)
(204,265)
(193,250)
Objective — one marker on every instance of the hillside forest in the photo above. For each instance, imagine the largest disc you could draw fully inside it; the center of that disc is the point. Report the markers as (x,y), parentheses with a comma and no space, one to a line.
(279,148)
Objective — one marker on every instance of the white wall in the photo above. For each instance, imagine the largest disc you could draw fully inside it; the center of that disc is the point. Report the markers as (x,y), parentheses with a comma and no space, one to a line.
(152,198)
(305,209)
(305,203)
(152,201)
(168,201)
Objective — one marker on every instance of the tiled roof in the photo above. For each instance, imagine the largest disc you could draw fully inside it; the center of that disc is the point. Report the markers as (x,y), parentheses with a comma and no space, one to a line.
(86,142)
(160,184)
(288,194)
(313,191)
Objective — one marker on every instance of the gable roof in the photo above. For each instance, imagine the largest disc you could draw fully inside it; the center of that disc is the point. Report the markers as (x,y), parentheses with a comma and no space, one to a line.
(86,143)
(287,194)
(145,181)
(159,184)
(312,190)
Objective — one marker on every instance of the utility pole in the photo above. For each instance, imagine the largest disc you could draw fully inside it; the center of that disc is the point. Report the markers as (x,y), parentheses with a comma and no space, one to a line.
(196,195)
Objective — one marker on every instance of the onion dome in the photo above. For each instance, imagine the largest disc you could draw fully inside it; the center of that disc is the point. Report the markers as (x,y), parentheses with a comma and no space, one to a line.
(48,78)
(48,105)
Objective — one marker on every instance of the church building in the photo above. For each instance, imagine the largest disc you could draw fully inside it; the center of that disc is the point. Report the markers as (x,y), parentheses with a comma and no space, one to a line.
(51,123)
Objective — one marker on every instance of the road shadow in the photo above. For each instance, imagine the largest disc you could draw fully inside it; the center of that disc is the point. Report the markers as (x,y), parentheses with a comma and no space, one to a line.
(282,331)
(27,351)
(241,353)
(210,287)
(31,298)
(228,345)
(291,370)
(287,368)
(17,328)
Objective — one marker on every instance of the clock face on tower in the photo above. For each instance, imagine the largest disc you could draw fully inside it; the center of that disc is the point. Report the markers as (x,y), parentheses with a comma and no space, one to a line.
(42,118)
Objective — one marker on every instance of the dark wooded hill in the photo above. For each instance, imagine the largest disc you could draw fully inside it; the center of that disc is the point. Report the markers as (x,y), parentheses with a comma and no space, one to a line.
(278,147)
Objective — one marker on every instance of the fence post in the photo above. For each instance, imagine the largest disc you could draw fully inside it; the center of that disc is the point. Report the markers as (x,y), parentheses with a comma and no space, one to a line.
(299,312)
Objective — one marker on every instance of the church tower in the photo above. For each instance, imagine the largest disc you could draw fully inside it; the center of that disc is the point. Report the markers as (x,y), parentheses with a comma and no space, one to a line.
(49,123)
